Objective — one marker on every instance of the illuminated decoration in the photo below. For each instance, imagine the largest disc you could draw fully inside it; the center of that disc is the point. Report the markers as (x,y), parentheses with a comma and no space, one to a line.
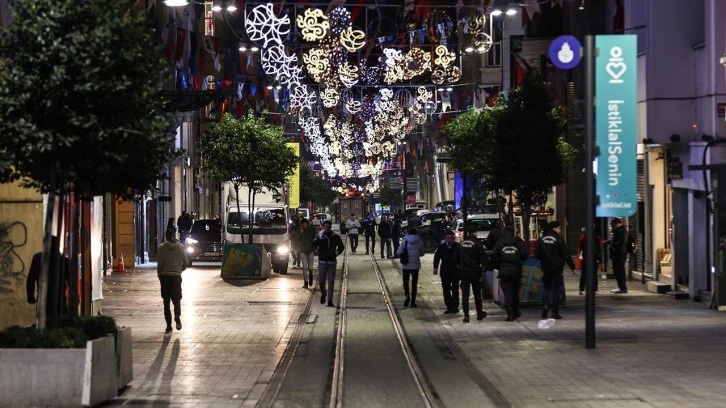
(348,74)
(370,74)
(353,106)
(313,24)
(281,66)
(330,97)
(415,63)
(476,24)
(352,39)
(482,42)
(264,27)
(394,71)
(444,57)
(301,97)
(423,95)
(339,20)
(438,25)
(316,63)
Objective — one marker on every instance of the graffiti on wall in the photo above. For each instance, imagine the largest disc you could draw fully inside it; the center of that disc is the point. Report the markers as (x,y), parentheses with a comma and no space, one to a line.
(12,267)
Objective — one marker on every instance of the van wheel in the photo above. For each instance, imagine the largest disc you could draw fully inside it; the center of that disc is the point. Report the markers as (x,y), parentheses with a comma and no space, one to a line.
(429,244)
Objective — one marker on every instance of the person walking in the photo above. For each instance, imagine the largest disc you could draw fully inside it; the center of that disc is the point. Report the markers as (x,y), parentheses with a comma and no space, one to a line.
(396,234)
(619,254)
(444,256)
(414,247)
(385,231)
(329,245)
(306,236)
(553,253)
(184,225)
(353,226)
(369,228)
(171,262)
(295,241)
(597,254)
(509,255)
(471,260)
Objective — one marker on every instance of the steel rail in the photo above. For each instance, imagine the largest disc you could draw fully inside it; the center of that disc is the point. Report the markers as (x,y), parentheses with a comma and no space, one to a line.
(336,392)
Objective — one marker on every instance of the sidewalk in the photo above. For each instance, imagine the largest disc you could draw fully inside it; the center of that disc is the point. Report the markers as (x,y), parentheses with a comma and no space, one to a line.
(651,350)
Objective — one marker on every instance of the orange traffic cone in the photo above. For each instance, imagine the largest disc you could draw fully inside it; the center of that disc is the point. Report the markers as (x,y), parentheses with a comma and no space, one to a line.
(121,266)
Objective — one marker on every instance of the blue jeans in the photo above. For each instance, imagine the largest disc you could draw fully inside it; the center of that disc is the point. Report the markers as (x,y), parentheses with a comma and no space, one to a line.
(326,273)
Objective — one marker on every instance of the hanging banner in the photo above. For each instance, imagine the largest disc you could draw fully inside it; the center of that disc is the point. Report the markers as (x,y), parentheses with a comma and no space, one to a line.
(616,77)
(293,180)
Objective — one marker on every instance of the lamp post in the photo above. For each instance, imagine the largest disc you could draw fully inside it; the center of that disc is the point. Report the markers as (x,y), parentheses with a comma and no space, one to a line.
(509,10)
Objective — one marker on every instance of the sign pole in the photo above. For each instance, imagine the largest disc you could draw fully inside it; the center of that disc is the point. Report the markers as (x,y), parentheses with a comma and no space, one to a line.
(587,267)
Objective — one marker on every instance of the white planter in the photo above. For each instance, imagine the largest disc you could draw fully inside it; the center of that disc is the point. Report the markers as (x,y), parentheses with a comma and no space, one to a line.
(59,377)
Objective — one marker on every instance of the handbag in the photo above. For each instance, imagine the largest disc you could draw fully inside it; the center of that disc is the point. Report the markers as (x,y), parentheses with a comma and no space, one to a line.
(404,254)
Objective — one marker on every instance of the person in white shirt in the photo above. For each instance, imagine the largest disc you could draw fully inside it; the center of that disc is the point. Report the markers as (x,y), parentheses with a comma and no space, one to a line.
(353,226)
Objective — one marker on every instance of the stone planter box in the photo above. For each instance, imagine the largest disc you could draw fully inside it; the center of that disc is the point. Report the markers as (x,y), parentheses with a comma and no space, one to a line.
(66,377)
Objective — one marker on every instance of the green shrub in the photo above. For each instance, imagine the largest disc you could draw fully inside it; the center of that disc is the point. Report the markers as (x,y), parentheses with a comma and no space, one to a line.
(68,336)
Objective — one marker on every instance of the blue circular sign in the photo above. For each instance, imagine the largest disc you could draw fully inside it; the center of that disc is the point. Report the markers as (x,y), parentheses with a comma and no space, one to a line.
(565,52)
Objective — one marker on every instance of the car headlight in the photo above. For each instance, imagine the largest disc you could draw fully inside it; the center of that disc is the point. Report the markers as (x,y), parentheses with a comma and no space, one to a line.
(190,241)
(190,250)
(282,249)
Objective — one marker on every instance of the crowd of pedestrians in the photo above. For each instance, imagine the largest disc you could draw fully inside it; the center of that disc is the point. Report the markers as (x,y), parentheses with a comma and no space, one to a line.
(461,265)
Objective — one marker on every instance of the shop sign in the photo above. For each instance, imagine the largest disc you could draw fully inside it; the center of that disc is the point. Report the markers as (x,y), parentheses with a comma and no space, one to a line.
(616,77)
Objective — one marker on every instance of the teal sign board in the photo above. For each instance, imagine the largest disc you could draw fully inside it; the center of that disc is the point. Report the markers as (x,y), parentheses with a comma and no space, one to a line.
(616,120)
(242,261)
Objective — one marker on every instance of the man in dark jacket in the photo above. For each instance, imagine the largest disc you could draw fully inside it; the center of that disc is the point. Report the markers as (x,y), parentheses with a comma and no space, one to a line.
(369,228)
(396,234)
(509,255)
(470,260)
(329,245)
(619,253)
(449,275)
(385,231)
(553,253)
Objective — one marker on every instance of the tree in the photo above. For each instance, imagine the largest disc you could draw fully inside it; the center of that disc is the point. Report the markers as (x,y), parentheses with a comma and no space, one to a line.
(249,152)
(472,142)
(391,196)
(314,188)
(78,93)
(530,155)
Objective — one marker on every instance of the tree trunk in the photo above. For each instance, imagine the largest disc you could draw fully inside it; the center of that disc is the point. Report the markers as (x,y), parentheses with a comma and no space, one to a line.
(239,211)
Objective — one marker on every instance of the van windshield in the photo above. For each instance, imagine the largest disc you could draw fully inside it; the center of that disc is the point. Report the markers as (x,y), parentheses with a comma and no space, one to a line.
(266,221)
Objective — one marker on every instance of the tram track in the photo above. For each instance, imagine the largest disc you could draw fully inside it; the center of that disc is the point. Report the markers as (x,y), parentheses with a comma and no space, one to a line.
(370,352)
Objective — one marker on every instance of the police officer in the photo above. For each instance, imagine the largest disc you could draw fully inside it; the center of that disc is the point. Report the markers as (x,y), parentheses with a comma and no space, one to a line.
(470,260)
(553,253)
(509,255)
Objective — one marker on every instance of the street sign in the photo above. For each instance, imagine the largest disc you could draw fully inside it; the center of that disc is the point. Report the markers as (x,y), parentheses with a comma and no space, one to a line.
(565,52)
(616,77)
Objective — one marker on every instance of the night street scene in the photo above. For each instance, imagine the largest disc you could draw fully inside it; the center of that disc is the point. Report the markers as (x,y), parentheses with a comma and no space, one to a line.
(398,203)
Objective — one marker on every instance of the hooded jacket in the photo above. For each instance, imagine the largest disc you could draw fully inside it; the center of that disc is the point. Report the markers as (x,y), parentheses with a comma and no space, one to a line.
(416,250)
(553,252)
(171,259)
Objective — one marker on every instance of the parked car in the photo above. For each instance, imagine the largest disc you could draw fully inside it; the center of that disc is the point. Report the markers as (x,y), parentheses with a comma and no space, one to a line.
(204,242)
(485,223)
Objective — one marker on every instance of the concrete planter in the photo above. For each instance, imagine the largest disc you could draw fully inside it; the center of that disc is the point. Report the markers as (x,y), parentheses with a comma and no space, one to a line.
(66,377)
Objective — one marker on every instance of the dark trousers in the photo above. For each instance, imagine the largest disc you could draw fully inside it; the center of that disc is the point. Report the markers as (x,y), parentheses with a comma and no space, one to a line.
(473,282)
(167,310)
(583,278)
(353,241)
(396,243)
(413,274)
(450,284)
(370,243)
(510,287)
(387,243)
(553,284)
(619,270)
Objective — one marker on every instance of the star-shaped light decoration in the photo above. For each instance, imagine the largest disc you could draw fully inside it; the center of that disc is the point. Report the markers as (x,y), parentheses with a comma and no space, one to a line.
(264,27)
